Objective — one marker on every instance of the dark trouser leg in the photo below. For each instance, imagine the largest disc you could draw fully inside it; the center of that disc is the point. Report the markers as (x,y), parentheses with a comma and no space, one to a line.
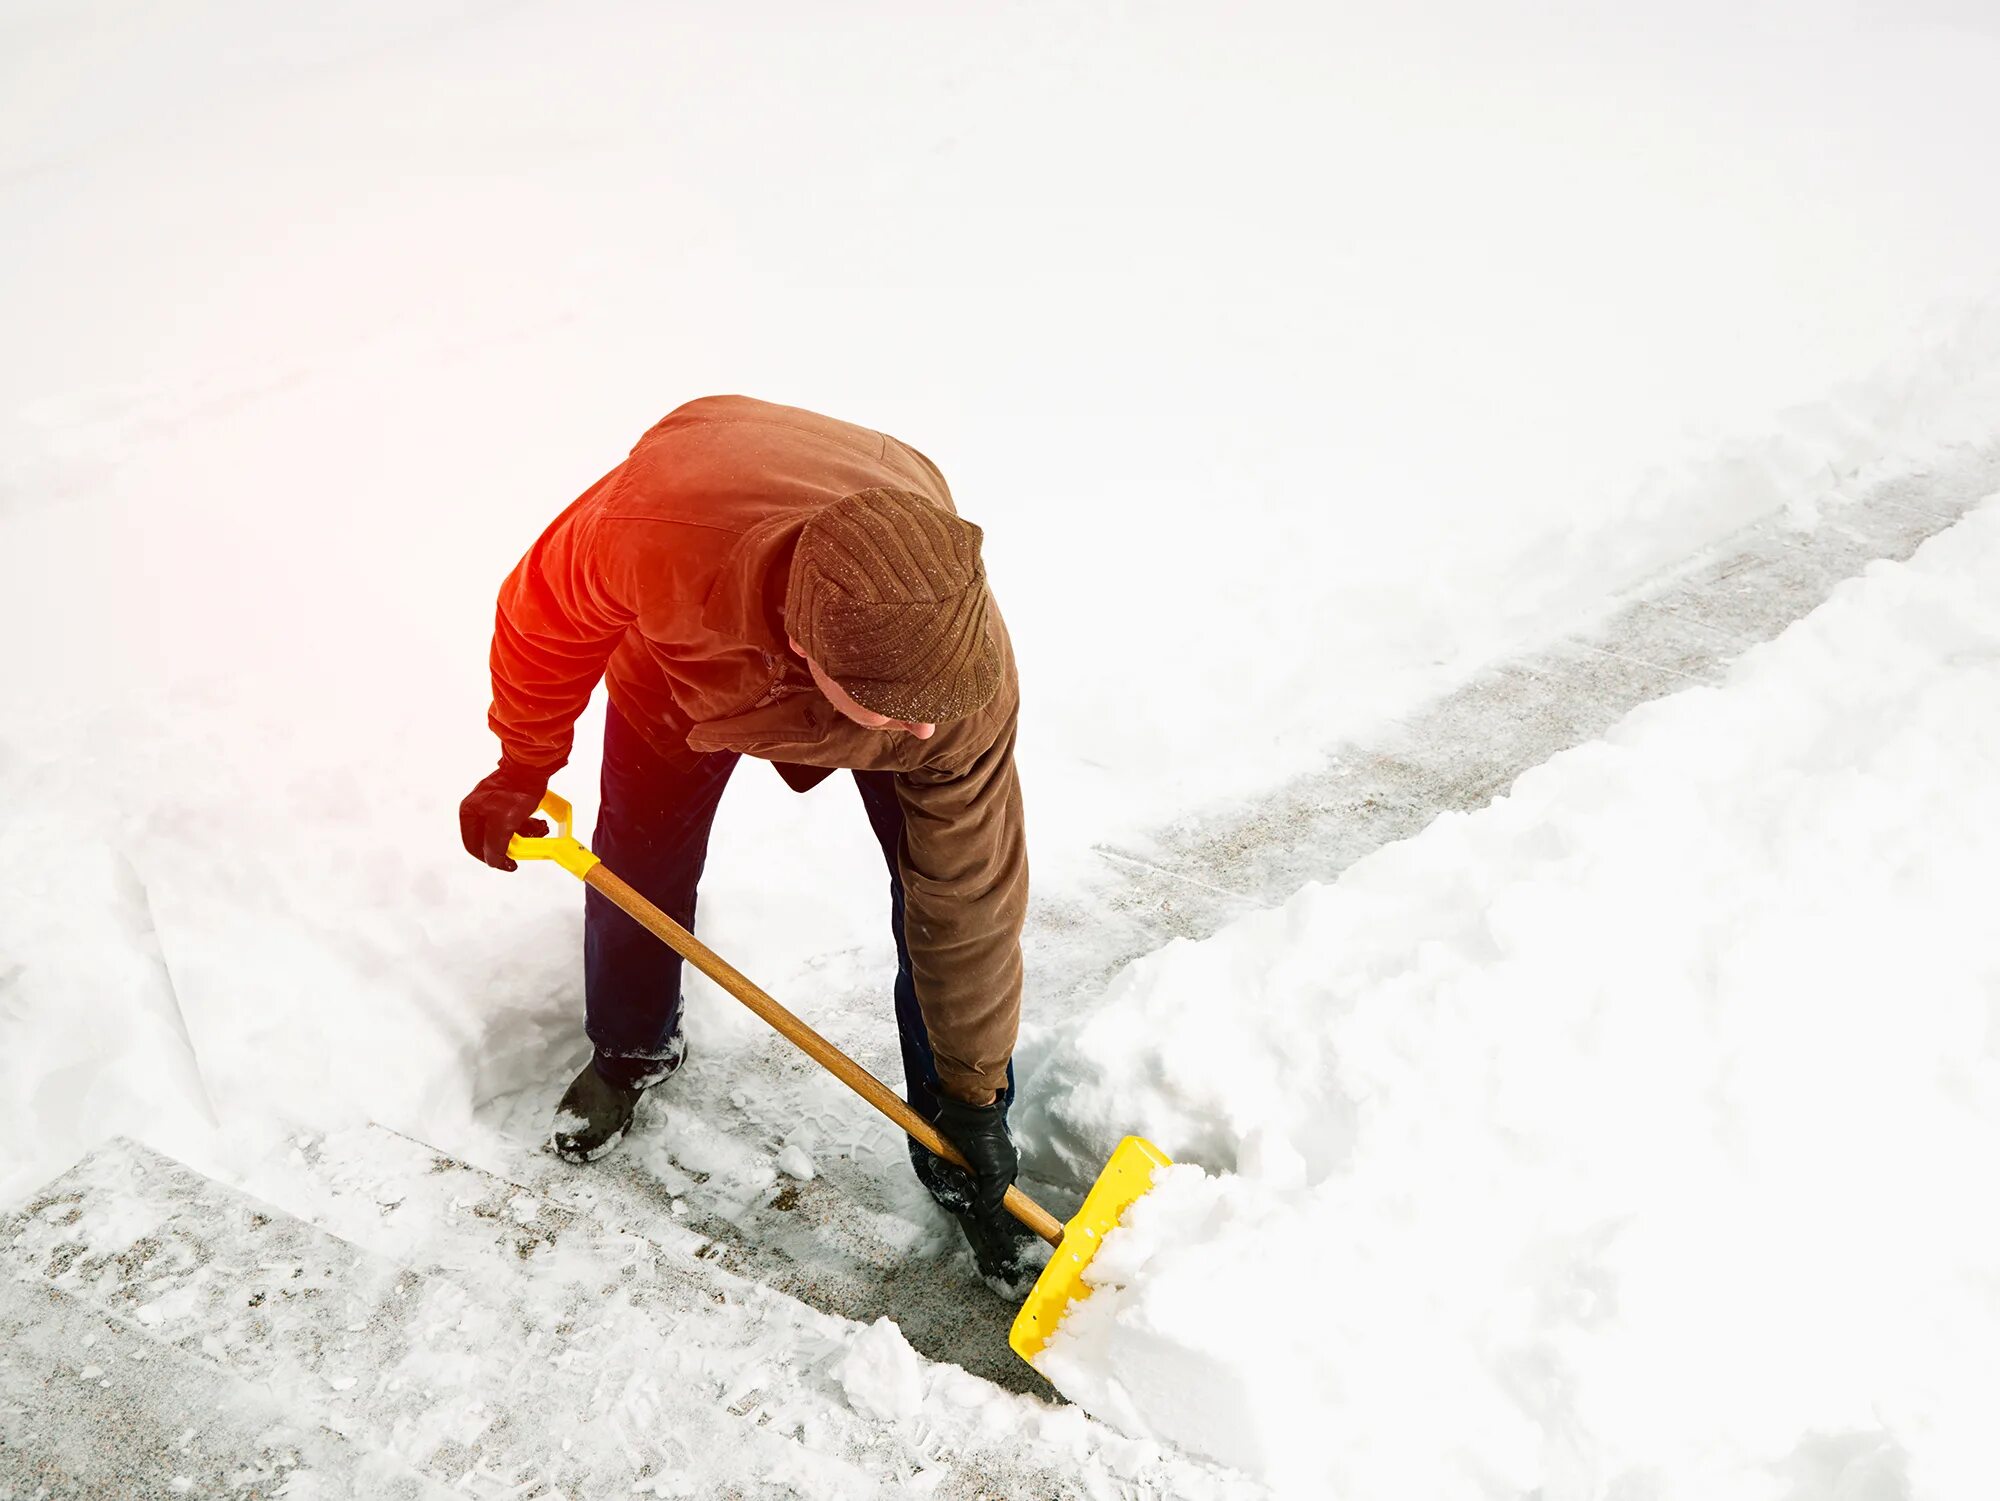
(652,831)
(920,1082)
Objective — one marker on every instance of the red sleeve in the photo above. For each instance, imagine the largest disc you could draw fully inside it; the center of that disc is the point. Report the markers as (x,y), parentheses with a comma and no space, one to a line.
(561,612)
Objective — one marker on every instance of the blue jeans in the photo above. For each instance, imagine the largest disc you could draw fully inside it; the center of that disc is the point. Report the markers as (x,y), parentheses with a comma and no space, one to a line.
(653,823)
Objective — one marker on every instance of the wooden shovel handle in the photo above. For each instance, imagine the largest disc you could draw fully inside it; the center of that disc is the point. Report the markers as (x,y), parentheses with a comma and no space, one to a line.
(842,1067)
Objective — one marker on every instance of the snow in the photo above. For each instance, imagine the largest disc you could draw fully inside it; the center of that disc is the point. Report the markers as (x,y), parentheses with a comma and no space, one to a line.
(1295,365)
(1629,1136)
(882,1376)
(1541,301)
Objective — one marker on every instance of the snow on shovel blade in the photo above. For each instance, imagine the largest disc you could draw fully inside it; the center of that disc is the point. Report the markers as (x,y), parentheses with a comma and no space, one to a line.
(1127,1175)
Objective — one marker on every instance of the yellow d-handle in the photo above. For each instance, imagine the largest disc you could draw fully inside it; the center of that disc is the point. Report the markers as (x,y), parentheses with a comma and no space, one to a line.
(560,846)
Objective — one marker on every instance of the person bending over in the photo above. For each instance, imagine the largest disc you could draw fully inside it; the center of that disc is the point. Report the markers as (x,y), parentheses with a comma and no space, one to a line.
(760,580)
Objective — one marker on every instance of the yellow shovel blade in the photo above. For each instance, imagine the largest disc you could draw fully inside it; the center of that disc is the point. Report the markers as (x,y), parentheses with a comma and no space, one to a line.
(1128,1174)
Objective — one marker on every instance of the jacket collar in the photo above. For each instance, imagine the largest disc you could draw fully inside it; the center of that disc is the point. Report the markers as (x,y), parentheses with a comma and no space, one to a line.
(747,600)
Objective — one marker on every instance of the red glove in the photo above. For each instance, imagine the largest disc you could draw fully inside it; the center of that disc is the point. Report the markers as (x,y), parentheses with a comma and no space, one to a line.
(501,806)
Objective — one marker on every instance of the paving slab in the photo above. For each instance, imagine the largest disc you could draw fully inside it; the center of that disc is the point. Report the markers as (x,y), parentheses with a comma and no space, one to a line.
(462,1390)
(563,1258)
(92,1407)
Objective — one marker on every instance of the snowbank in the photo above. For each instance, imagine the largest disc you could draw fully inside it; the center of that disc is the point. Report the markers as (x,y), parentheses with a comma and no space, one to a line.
(1636,1135)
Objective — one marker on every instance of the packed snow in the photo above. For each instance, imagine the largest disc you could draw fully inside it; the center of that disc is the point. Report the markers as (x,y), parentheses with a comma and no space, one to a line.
(882,1375)
(1296,363)
(1635,1135)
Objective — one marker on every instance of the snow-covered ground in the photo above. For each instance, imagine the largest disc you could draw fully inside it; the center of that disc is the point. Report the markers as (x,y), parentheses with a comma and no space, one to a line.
(1636,1134)
(1295,363)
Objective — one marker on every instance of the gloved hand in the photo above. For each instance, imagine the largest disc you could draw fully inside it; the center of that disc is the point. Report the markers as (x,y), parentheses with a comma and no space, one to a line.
(501,806)
(980,1132)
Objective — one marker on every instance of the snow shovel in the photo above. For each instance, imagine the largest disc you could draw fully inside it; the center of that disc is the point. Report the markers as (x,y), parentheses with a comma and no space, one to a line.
(1127,1175)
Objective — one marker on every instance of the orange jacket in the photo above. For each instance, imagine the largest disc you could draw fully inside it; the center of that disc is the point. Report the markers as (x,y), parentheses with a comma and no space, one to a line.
(667,579)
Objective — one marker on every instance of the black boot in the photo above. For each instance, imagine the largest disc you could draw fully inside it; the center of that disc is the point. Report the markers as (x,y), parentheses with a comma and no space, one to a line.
(597,1111)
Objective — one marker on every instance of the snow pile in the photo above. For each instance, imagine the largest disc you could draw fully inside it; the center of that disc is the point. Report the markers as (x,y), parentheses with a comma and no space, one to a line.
(882,1376)
(1636,1135)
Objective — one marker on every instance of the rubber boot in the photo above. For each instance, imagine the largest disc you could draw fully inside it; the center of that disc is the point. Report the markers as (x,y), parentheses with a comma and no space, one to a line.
(597,1111)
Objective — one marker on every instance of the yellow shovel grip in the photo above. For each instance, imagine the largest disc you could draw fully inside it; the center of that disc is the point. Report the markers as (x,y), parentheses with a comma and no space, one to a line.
(560,846)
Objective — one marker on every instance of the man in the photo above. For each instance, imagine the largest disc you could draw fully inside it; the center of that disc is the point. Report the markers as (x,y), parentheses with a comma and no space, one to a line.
(760,580)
